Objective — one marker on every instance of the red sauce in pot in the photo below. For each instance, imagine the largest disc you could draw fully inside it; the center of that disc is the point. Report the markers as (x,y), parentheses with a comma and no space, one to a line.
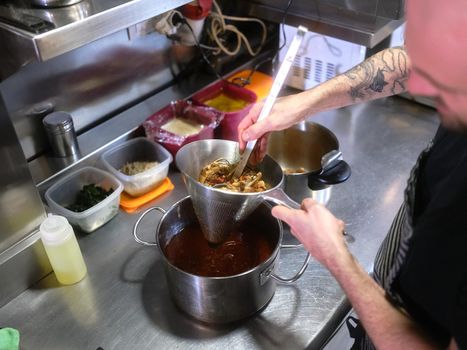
(243,250)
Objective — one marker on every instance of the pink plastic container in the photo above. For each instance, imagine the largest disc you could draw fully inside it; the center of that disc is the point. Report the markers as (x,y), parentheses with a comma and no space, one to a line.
(227,129)
(208,117)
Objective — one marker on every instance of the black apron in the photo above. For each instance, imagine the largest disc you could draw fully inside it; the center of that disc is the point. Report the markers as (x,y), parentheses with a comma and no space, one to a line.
(392,253)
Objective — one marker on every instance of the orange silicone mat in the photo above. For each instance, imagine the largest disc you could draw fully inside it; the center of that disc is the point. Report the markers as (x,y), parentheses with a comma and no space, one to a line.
(260,83)
(130,204)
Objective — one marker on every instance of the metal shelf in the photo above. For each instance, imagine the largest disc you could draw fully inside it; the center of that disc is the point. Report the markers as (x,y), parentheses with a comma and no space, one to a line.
(55,31)
(358,28)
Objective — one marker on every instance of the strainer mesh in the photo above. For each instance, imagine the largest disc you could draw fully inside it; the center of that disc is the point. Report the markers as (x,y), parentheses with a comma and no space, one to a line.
(216,218)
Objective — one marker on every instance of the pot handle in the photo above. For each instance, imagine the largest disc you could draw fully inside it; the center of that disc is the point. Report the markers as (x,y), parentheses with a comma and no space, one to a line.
(334,170)
(135,228)
(293,279)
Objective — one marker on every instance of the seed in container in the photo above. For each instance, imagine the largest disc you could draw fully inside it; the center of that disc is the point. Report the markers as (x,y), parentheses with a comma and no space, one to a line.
(220,172)
(133,168)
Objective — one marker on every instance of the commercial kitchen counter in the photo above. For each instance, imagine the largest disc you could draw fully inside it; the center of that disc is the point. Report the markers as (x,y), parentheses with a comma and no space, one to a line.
(124,303)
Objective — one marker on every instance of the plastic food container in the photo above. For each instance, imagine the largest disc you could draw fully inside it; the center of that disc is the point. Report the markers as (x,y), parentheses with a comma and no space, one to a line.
(233,96)
(138,149)
(63,193)
(208,117)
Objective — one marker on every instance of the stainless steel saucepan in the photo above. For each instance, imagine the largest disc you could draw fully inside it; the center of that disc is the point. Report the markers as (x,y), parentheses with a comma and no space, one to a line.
(311,160)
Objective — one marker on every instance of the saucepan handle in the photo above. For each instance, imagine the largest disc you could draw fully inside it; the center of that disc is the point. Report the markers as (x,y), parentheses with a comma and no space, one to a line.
(334,170)
(135,228)
(335,175)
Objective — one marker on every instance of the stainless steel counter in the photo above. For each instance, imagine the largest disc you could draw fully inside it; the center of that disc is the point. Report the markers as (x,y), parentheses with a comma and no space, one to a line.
(123,303)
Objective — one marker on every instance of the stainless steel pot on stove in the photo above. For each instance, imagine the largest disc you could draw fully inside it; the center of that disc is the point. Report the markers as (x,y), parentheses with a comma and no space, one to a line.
(219,299)
(310,157)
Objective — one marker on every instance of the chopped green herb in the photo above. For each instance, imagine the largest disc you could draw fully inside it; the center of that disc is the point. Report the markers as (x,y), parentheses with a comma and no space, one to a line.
(88,197)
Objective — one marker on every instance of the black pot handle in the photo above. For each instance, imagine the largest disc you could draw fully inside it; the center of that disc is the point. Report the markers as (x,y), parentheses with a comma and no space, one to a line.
(336,174)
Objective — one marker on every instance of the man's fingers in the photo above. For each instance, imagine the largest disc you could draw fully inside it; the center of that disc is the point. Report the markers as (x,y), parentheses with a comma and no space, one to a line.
(253,132)
(282,213)
(308,204)
(341,225)
(249,120)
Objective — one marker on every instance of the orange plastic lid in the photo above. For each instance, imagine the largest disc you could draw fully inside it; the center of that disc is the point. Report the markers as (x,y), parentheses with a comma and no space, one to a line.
(130,204)
(260,83)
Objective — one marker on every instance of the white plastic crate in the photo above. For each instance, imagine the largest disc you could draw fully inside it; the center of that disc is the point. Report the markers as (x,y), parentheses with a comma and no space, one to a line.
(319,58)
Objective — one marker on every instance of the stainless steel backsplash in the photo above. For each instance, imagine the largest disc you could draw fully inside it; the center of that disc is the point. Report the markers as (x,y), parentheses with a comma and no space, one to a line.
(92,83)
(21,209)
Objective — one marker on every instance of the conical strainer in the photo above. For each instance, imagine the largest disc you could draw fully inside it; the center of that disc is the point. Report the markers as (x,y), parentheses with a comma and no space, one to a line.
(218,210)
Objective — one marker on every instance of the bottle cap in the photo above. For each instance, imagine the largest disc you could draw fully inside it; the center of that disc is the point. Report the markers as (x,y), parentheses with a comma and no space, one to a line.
(55,229)
(58,122)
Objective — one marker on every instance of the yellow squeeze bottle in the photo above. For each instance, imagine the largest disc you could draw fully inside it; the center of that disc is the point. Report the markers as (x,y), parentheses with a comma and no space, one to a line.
(62,249)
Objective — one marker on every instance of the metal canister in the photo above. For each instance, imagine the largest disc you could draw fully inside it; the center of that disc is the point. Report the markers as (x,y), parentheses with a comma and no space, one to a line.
(61,134)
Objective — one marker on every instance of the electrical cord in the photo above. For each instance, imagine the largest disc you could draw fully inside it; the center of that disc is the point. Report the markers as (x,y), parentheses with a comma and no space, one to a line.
(184,21)
(219,27)
(246,81)
(286,11)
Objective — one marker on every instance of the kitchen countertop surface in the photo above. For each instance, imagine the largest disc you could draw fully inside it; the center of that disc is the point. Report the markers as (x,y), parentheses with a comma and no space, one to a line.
(124,303)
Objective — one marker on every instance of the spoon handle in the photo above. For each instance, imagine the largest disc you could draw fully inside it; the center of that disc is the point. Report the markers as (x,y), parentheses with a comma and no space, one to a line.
(276,87)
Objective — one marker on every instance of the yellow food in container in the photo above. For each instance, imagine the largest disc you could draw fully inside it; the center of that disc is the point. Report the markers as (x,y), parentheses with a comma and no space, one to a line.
(225,103)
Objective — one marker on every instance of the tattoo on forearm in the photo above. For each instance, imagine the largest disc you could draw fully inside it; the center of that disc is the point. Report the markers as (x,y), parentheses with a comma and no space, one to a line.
(369,76)
(378,81)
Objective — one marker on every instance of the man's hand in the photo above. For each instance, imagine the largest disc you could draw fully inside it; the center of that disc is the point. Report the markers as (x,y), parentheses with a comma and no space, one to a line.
(318,229)
(286,112)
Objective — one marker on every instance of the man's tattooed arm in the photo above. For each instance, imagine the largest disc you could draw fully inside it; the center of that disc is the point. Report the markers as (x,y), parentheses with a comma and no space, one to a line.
(383,74)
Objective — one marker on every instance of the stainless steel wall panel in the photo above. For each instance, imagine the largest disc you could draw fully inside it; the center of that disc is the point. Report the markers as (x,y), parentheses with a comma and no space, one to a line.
(21,209)
(90,83)
(22,265)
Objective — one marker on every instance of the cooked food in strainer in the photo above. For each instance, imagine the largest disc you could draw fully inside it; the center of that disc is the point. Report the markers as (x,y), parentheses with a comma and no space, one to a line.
(219,173)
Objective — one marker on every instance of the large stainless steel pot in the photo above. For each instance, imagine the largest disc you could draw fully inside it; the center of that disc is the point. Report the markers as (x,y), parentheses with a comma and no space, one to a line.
(314,148)
(219,299)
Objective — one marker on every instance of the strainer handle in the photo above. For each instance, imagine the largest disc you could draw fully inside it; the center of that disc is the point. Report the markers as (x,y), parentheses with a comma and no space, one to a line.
(135,228)
(278,196)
